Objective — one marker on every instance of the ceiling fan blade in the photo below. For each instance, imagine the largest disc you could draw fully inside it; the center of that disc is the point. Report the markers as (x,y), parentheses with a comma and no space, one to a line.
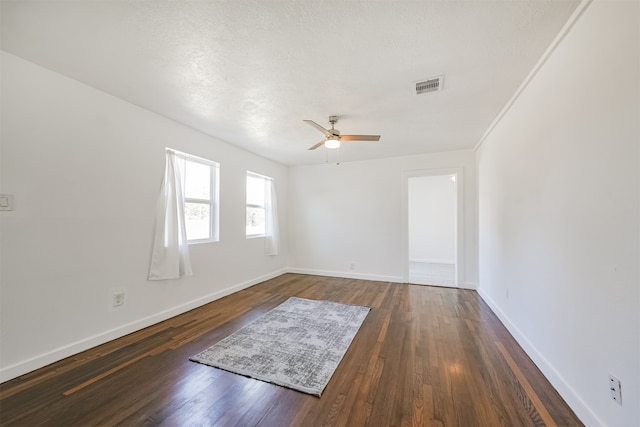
(319,144)
(360,138)
(320,128)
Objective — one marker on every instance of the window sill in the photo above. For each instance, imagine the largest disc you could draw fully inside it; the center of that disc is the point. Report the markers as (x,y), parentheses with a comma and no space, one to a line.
(197,242)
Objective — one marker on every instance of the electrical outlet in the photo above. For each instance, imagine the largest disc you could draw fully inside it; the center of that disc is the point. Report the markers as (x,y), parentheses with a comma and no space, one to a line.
(118,299)
(615,389)
(6,202)
(352,266)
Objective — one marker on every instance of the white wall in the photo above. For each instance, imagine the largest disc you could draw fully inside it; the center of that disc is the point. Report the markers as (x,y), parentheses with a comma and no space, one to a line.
(432,219)
(560,218)
(354,213)
(86,170)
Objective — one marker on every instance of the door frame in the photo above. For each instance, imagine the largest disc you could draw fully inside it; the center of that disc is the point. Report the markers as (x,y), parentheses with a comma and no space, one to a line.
(459,251)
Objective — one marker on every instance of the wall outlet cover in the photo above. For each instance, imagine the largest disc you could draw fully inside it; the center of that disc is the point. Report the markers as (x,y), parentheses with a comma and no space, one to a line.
(615,389)
(6,202)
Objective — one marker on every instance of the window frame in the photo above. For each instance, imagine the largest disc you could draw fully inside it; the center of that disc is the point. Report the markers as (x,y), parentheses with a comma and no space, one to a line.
(254,206)
(214,194)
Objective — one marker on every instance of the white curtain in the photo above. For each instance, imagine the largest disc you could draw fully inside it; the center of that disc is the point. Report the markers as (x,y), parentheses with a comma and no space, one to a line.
(271,233)
(170,256)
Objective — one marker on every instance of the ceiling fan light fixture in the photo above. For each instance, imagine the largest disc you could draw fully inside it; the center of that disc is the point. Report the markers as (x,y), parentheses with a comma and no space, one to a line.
(332,142)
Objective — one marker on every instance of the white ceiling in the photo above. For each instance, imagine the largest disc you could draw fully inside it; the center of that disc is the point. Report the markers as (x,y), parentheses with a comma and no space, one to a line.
(248,72)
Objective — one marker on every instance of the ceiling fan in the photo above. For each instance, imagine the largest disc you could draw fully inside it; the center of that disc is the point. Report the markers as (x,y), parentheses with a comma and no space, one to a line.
(333,137)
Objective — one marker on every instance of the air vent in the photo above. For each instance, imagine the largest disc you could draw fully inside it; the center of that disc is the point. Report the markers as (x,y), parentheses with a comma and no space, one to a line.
(431,85)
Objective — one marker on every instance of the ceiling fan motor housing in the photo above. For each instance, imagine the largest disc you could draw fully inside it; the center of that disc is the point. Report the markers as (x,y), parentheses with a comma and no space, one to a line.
(333,120)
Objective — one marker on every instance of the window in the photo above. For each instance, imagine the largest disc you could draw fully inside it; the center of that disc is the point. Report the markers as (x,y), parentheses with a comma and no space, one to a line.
(200,190)
(256,187)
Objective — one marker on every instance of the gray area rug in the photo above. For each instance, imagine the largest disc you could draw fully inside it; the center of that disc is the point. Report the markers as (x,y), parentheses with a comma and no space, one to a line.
(298,344)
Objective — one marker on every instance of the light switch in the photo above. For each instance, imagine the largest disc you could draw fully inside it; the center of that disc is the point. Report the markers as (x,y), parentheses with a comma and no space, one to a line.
(6,202)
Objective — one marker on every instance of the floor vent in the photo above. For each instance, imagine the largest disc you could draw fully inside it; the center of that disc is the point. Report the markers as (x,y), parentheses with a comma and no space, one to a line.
(431,85)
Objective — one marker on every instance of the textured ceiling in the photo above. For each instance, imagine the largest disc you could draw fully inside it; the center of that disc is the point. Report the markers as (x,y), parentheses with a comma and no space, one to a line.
(249,72)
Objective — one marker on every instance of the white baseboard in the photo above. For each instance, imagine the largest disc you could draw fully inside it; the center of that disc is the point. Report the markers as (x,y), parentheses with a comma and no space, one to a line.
(433,261)
(21,368)
(348,275)
(566,391)
(469,285)
(417,280)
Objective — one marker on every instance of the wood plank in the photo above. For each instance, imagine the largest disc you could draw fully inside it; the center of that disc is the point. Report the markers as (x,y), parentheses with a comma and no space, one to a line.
(425,356)
(542,410)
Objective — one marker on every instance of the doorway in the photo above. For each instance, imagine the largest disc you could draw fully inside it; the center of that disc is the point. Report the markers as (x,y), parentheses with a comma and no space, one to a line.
(432,229)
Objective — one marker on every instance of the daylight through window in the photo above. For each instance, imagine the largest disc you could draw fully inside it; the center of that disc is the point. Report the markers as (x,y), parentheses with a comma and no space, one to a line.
(200,189)
(256,187)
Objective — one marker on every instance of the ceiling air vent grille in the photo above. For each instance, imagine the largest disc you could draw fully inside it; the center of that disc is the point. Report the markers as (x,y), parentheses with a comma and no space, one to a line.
(431,85)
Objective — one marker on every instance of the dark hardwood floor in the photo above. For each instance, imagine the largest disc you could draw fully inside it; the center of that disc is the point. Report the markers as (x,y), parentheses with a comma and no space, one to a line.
(425,356)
